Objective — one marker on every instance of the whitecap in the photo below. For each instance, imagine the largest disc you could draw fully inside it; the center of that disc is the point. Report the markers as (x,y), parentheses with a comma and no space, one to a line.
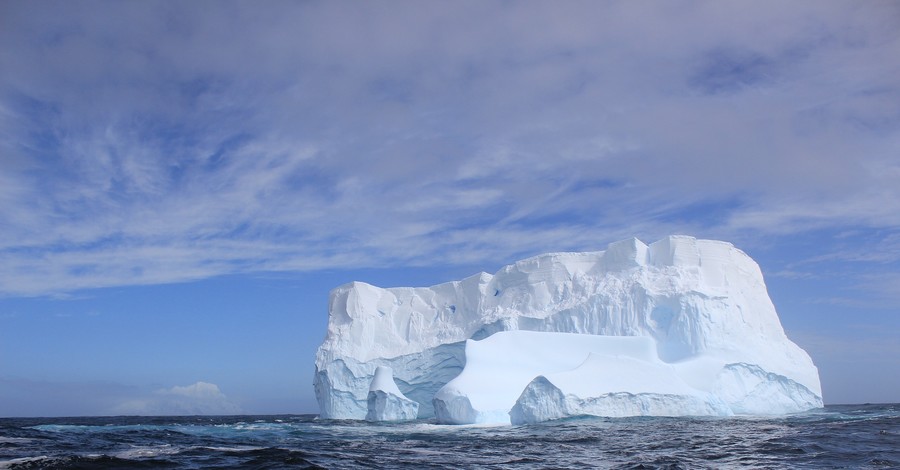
(14,440)
(145,452)
(24,460)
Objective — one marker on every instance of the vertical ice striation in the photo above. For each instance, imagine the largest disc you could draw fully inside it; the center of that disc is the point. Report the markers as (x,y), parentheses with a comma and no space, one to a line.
(700,307)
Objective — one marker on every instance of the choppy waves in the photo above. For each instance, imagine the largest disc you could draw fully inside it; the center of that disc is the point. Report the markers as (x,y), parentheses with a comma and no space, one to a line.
(837,437)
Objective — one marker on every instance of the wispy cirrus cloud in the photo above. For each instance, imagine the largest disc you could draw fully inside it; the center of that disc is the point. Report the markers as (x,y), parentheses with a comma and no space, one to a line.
(151,143)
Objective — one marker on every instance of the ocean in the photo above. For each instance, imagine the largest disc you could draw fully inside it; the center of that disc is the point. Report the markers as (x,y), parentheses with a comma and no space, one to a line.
(846,436)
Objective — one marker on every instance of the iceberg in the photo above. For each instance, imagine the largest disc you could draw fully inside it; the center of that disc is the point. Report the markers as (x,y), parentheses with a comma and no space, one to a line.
(678,327)
(385,402)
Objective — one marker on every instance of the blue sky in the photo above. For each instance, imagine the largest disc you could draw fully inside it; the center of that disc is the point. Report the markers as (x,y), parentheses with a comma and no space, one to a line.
(182,183)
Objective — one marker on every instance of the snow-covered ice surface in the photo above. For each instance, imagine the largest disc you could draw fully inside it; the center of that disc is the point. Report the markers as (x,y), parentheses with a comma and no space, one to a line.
(512,363)
(679,327)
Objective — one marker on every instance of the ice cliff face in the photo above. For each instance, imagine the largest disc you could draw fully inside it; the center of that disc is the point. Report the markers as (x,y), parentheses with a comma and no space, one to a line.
(697,310)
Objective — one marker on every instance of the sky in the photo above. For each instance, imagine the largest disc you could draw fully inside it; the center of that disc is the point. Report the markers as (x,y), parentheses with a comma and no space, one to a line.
(182,183)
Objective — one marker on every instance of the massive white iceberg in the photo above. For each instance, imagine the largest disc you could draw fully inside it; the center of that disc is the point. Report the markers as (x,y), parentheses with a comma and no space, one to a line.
(679,327)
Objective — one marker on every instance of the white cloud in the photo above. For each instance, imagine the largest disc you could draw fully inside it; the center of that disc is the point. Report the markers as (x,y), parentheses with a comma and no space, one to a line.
(200,398)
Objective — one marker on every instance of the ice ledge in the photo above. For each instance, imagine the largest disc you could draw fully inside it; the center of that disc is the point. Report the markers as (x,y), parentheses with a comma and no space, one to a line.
(543,401)
(525,376)
(740,389)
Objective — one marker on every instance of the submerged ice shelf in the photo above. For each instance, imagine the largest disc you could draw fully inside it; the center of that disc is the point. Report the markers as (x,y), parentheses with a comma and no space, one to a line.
(679,327)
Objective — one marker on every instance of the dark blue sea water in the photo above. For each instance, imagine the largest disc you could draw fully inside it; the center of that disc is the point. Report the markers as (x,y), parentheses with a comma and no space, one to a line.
(856,436)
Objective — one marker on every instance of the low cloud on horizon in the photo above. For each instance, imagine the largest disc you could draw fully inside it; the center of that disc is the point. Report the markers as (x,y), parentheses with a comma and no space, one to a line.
(200,398)
(34,398)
